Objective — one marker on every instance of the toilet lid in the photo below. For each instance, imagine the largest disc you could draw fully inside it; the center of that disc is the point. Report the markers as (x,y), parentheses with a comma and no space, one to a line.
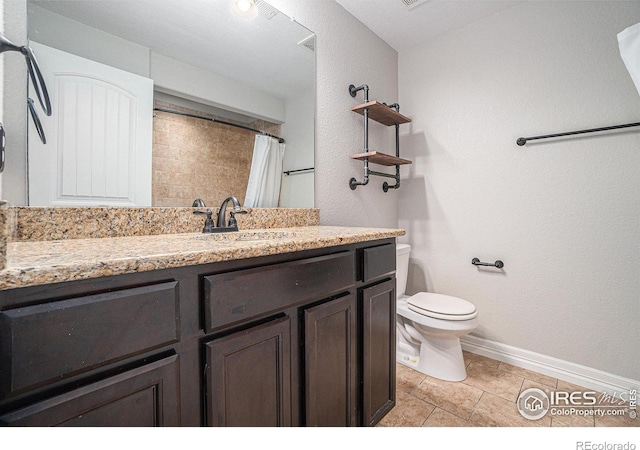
(441,306)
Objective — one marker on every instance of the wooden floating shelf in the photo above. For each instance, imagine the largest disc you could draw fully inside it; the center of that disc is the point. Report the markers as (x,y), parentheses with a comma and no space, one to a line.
(381,113)
(381,158)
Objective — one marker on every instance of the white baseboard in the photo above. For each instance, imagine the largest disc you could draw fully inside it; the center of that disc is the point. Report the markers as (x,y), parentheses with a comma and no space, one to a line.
(583,376)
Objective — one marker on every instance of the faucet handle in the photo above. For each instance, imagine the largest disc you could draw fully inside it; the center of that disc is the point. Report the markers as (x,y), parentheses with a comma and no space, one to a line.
(232,219)
(208,223)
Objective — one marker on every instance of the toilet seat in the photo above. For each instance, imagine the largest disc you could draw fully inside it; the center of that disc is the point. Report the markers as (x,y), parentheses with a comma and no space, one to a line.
(441,306)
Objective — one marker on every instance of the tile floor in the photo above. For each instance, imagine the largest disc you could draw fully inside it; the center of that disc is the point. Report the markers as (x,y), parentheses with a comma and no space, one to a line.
(486,398)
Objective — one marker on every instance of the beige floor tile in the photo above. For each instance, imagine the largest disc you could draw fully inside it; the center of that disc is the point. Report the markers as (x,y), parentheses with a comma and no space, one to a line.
(570,387)
(472,357)
(529,374)
(617,421)
(407,379)
(441,418)
(456,398)
(494,411)
(526,384)
(487,398)
(494,381)
(557,423)
(408,412)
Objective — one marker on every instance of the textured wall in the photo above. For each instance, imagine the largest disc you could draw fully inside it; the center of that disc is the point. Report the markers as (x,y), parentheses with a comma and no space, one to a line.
(347,53)
(564,215)
(14,105)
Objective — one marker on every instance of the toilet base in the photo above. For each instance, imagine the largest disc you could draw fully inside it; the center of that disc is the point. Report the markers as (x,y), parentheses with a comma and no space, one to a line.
(438,358)
(407,354)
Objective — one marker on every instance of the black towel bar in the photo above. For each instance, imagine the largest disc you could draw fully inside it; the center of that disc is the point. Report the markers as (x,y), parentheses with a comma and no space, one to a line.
(288,172)
(521,141)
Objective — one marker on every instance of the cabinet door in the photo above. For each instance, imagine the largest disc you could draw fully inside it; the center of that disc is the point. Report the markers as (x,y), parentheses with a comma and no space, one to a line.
(330,334)
(249,377)
(141,397)
(378,350)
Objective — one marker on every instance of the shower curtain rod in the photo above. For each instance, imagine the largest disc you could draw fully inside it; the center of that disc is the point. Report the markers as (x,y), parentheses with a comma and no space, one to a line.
(281,140)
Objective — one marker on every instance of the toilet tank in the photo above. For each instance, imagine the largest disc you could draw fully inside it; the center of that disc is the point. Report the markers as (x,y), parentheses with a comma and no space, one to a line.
(402,267)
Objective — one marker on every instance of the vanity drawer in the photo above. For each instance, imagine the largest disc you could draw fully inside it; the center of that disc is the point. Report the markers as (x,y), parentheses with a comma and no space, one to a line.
(46,342)
(378,261)
(232,297)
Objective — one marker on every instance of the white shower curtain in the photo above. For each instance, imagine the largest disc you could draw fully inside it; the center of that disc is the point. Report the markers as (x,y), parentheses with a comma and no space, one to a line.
(263,189)
(629,43)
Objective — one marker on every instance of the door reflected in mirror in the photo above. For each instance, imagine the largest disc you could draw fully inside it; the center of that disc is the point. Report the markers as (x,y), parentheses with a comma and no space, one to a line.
(215,81)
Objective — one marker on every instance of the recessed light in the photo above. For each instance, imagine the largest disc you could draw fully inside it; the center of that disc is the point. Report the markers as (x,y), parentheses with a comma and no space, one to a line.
(244,8)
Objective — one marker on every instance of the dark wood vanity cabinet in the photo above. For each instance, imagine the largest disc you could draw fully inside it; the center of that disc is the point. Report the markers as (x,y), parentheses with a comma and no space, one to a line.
(146,396)
(296,339)
(248,377)
(331,363)
(378,350)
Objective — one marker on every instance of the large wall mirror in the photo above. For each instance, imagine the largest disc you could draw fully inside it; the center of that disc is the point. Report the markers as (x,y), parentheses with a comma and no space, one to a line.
(158,103)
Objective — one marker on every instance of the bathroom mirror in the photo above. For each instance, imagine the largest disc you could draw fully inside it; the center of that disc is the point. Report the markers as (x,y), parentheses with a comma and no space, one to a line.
(205,62)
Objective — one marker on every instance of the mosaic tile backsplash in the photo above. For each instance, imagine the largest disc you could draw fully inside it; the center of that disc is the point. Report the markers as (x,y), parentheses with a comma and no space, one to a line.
(195,158)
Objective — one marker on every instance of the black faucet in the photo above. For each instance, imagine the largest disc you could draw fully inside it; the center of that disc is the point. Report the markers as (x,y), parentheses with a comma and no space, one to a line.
(219,226)
(237,209)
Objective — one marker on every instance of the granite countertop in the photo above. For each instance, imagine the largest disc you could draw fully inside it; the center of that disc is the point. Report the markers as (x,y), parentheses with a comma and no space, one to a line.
(34,263)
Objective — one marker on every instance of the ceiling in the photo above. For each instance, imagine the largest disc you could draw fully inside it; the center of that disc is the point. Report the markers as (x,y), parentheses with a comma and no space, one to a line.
(403,28)
(262,52)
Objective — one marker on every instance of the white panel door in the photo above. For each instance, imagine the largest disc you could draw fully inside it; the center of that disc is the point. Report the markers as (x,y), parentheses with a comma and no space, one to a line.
(99,137)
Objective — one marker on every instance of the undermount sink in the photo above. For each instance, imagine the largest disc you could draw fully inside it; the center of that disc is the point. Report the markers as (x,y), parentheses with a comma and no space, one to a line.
(248,235)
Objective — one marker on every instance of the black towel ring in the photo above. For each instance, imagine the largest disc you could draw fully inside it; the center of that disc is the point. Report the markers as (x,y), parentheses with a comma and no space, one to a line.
(35,74)
(36,120)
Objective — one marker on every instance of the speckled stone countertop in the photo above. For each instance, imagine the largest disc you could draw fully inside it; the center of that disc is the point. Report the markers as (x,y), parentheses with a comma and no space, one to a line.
(33,263)
(55,223)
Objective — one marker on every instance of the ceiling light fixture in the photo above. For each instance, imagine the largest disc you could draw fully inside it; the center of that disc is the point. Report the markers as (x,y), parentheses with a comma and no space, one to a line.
(244,8)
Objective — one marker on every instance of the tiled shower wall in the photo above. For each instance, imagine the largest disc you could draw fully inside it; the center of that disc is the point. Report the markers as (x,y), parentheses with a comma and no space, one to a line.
(195,158)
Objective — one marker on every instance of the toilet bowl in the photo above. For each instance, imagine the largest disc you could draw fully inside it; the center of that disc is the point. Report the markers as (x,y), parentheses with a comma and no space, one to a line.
(429,327)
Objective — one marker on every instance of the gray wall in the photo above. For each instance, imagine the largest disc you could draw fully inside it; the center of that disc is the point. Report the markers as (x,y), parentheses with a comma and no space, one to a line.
(347,53)
(14,105)
(563,216)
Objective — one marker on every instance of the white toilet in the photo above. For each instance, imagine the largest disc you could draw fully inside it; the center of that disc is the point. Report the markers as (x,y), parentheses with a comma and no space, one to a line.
(429,327)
